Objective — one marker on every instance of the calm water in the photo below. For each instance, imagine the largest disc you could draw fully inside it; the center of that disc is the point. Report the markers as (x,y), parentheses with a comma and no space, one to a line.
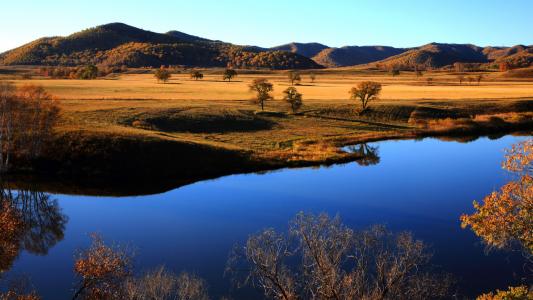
(420,186)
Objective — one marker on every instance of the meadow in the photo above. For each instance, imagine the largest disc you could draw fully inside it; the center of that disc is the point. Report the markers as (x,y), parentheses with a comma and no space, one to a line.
(222,115)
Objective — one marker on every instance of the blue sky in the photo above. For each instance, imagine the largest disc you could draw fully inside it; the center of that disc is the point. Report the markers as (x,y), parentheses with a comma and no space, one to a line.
(400,23)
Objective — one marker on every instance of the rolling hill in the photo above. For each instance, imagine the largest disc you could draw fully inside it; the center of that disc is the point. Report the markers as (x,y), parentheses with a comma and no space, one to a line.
(120,44)
(354,55)
(436,55)
(340,57)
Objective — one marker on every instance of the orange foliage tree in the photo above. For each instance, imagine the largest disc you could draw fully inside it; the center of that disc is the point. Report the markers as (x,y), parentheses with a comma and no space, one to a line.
(102,271)
(27,117)
(506,216)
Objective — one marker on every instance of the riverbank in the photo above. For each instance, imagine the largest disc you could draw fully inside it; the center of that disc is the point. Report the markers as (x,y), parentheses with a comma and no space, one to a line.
(132,132)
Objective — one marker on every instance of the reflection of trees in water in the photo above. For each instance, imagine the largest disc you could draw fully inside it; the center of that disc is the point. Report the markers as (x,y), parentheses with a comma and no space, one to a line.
(29,220)
(368,155)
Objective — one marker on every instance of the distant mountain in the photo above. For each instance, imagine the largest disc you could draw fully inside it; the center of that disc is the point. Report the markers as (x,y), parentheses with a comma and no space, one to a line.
(340,57)
(305,49)
(118,44)
(121,44)
(437,55)
(354,55)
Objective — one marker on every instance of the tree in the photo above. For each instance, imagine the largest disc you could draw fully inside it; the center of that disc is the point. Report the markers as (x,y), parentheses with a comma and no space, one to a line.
(459,67)
(504,66)
(197,75)
(336,263)
(229,74)
(419,71)
(505,217)
(479,77)
(102,271)
(27,117)
(88,72)
(162,284)
(312,76)
(366,92)
(294,76)
(293,98)
(460,78)
(162,74)
(262,88)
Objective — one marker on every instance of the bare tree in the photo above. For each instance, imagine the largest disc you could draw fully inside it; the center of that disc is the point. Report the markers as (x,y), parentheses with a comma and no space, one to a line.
(312,76)
(479,77)
(293,98)
(294,76)
(459,67)
(366,92)
(161,284)
(262,88)
(263,261)
(336,263)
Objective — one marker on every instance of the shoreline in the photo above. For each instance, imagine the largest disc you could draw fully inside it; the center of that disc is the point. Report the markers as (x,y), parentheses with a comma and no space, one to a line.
(104,165)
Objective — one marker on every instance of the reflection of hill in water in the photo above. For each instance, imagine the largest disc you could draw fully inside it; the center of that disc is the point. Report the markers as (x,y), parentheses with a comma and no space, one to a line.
(29,220)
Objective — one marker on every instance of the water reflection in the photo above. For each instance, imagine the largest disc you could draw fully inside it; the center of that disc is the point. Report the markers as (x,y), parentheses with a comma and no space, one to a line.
(30,220)
(367,155)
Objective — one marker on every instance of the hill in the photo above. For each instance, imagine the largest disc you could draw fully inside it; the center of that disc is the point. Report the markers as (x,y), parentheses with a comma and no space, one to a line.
(354,55)
(436,55)
(305,49)
(120,44)
(340,57)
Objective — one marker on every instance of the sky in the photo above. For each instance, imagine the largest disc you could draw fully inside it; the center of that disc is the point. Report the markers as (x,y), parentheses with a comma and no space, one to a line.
(399,23)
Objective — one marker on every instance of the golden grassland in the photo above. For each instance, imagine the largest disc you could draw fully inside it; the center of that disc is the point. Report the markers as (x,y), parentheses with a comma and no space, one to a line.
(214,113)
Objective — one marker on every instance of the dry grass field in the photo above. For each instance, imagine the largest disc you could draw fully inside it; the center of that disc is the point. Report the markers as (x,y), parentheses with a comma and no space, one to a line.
(221,114)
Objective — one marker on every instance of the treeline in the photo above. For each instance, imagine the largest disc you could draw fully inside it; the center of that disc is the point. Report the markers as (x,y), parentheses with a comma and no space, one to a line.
(83,72)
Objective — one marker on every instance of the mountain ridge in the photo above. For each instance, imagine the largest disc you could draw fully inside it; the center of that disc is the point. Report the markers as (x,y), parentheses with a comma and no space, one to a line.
(122,44)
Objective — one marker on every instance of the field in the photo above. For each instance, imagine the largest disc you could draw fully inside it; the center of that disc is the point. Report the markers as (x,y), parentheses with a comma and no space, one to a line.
(222,115)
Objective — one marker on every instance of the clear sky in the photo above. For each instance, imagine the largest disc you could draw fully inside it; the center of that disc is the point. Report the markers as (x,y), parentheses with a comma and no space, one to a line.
(400,23)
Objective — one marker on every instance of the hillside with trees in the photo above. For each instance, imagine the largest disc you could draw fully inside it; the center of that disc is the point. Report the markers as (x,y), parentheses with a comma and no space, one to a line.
(120,44)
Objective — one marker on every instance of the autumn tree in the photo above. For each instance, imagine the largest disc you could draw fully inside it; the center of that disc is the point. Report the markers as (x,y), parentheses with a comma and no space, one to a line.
(504,66)
(229,74)
(504,218)
(162,75)
(102,271)
(294,76)
(197,75)
(418,71)
(262,88)
(459,67)
(336,262)
(293,98)
(162,284)
(479,77)
(366,92)
(27,117)
(312,76)
(88,72)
